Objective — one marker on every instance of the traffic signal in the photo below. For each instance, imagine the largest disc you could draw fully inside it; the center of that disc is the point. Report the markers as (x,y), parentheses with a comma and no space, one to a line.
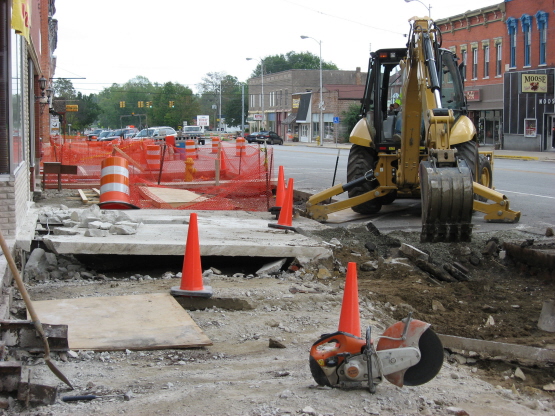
(149,104)
(121,104)
(172,104)
(141,104)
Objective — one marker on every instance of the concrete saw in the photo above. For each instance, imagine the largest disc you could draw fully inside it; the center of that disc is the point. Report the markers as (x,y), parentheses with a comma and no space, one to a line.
(407,353)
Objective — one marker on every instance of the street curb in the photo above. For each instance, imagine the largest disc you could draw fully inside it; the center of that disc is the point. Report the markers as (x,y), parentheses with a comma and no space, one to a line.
(515,157)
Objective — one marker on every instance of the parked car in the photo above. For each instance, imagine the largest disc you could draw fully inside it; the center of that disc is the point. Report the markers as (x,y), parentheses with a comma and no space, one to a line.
(119,134)
(103,135)
(268,137)
(251,138)
(156,133)
(94,133)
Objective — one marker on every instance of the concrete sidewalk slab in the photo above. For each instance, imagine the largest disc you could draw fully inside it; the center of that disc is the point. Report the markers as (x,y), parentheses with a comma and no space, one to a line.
(221,233)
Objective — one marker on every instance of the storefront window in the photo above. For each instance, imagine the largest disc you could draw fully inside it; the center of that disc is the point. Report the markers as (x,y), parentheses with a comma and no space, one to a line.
(18,143)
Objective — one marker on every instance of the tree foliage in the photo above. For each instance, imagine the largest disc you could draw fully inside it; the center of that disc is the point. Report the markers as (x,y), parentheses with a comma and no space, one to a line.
(65,94)
(291,60)
(141,103)
(221,97)
(350,117)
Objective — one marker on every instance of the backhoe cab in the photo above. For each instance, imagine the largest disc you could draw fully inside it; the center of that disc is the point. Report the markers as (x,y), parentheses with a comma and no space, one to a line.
(425,149)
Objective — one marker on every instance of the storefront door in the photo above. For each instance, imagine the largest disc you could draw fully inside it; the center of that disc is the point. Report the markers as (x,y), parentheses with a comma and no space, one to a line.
(550,132)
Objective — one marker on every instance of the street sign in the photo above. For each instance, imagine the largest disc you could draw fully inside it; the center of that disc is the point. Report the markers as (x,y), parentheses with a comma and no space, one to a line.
(203,120)
(336,120)
(72,107)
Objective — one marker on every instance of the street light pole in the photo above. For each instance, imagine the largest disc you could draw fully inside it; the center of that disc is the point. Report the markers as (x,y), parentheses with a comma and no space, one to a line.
(429,6)
(262,71)
(321,104)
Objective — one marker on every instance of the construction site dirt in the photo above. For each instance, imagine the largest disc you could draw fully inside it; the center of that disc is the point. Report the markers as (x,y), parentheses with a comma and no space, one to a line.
(258,363)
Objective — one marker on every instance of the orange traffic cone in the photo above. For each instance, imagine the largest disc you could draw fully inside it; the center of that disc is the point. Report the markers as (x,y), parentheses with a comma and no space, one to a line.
(285,220)
(191,275)
(280,193)
(349,321)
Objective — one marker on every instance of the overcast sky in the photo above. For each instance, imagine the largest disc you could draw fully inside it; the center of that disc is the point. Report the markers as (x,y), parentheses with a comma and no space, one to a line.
(113,41)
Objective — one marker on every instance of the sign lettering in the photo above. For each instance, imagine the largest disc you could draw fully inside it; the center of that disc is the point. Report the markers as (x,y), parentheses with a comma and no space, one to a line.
(534,83)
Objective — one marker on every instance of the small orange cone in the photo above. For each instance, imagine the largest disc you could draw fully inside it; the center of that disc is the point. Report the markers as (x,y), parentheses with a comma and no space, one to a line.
(191,275)
(285,220)
(349,321)
(280,193)
(280,190)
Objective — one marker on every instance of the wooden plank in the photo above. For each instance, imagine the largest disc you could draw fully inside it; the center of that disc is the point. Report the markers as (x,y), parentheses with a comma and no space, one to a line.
(83,196)
(96,191)
(174,197)
(134,322)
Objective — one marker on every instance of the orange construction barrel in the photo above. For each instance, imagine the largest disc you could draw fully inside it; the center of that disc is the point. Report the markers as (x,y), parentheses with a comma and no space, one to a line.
(153,154)
(190,149)
(215,143)
(114,184)
(240,146)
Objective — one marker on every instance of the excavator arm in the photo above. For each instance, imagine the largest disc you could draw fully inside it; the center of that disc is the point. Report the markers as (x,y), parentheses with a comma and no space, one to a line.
(427,149)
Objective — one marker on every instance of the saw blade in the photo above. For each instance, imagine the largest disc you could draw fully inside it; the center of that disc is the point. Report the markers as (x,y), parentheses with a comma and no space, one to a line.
(430,363)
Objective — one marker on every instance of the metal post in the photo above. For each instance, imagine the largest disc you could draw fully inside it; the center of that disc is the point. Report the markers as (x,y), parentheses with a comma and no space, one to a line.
(321,101)
(321,104)
(263,114)
(242,110)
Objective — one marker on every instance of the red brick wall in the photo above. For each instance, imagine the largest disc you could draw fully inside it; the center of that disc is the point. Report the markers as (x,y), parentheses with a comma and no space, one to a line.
(517,8)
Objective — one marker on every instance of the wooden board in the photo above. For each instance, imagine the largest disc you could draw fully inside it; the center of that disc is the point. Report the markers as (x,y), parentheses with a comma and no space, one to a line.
(134,322)
(174,197)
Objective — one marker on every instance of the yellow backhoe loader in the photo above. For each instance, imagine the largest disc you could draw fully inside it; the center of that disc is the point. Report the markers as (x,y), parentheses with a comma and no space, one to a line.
(426,149)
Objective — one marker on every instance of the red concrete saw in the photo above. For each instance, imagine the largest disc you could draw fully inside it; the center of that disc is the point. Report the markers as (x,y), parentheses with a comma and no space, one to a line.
(407,353)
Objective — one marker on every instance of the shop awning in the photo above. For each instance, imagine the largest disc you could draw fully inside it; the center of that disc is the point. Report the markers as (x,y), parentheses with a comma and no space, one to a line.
(290,118)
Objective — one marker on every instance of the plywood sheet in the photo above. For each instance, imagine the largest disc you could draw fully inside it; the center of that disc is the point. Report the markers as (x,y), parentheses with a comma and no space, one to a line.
(174,197)
(134,322)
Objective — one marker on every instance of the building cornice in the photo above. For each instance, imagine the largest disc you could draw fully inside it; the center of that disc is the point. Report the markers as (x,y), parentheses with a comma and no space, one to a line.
(474,18)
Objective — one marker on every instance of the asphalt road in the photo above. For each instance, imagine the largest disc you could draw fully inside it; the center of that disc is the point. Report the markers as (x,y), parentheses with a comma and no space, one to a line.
(529,185)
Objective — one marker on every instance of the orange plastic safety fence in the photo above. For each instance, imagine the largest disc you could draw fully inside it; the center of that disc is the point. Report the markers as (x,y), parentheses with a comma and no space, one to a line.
(170,177)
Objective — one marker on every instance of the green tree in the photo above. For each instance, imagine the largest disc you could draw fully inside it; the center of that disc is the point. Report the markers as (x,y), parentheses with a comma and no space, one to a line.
(291,60)
(65,94)
(216,88)
(349,119)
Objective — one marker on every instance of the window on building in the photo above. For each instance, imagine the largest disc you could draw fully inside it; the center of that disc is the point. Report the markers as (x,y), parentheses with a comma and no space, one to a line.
(541,20)
(512,27)
(526,21)
(474,63)
(463,58)
(498,58)
(486,61)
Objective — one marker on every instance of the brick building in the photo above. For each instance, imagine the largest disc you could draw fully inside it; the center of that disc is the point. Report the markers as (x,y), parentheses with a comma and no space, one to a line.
(27,39)
(509,60)
(288,92)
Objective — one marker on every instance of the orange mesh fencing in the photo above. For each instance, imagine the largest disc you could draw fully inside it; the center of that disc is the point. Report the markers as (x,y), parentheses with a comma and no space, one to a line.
(177,181)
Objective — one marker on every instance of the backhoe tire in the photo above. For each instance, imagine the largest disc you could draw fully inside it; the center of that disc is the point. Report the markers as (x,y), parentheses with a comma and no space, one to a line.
(485,175)
(361,160)
(468,151)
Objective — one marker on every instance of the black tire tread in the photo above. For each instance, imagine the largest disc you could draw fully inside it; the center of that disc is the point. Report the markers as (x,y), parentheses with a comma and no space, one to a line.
(361,160)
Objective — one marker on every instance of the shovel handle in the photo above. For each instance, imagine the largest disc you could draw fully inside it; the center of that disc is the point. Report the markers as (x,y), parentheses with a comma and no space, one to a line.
(23,290)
